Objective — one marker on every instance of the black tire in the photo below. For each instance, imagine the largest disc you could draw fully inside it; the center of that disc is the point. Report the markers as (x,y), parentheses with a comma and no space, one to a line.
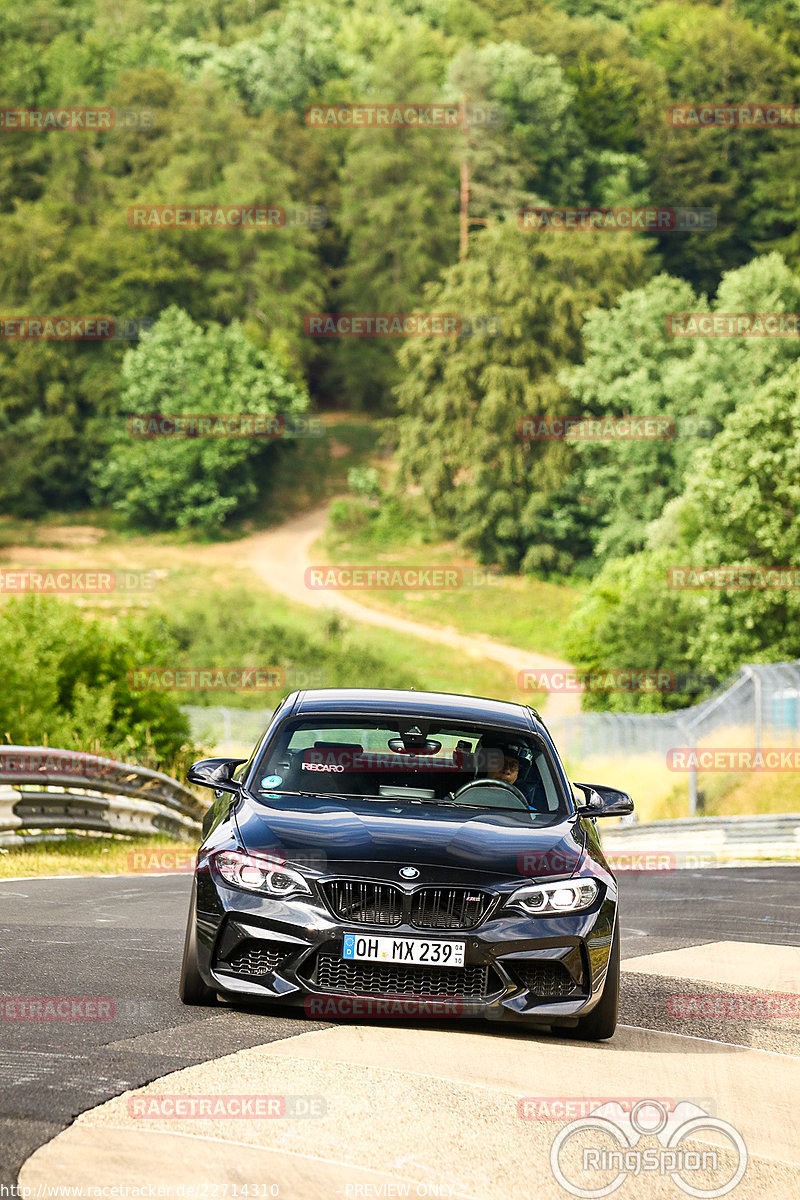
(601,1022)
(192,989)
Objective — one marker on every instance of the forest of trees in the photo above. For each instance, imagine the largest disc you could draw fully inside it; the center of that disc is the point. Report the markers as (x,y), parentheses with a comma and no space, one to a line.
(579,319)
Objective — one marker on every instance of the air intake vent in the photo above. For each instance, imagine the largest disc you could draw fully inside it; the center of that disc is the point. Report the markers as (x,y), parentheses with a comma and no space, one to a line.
(364,903)
(334,974)
(546,979)
(449,907)
(254,958)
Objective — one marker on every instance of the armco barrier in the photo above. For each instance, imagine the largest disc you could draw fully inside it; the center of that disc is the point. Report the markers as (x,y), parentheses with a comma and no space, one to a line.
(711,841)
(43,789)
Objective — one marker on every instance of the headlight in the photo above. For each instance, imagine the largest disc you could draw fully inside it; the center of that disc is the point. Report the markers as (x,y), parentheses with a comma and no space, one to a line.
(259,873)
(549,898)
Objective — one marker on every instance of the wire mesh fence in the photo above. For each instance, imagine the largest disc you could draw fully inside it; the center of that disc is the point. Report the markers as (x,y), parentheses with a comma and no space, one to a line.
(764,698)
(759,707)
(227,730)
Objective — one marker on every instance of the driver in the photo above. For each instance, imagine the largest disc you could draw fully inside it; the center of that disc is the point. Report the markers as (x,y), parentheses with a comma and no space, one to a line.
(501,763)
(506,763)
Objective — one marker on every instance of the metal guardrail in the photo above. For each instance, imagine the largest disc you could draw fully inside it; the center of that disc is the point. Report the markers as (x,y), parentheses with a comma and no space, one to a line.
(43,790)
(705,841)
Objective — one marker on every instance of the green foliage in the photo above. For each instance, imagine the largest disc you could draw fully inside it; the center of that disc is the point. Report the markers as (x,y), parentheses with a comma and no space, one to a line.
(739,509)
(372,529)
(462,398)
(364,482)
(584,85)
(397,179)
(66,683)
(284,67)
(711,54)
(244,630)
(178,368)
(629,619)
(633,366)
(535,153)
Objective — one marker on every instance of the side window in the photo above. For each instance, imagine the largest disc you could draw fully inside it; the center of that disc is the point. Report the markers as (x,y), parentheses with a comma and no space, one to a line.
(548,783)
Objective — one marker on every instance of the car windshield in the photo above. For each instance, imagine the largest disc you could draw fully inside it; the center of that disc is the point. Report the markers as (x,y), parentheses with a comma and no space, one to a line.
(415,761)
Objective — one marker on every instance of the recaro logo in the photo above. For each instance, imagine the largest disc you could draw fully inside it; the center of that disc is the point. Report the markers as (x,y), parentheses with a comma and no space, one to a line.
(321,767)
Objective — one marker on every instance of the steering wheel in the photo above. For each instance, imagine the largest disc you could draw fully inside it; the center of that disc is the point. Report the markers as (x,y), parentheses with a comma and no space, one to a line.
(492,784)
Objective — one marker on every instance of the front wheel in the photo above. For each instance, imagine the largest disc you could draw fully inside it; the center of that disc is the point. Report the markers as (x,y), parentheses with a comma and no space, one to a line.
(192,989)
(601,1022)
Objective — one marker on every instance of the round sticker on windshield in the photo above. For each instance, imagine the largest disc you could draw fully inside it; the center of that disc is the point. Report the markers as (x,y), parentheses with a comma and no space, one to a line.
(272,781)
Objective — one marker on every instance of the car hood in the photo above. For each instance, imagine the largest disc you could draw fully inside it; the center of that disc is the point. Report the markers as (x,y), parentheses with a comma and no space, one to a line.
(346,834)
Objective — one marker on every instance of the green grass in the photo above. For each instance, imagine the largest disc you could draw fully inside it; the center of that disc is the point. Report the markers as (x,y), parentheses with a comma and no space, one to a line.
(519,610)
(662,795)
(218,615)
(89,854)
(324,649)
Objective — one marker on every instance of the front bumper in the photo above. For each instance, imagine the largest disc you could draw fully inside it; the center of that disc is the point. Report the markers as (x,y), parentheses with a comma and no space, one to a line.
(545,970)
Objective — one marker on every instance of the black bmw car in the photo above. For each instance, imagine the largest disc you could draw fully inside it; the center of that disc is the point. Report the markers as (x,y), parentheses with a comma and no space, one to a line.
(406,853)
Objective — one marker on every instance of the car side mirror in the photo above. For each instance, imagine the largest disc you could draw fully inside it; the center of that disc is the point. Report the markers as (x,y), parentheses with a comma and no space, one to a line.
(215,773)
(602,801)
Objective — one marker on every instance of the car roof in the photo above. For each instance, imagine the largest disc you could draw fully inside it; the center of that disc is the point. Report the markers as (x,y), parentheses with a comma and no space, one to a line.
(397,702)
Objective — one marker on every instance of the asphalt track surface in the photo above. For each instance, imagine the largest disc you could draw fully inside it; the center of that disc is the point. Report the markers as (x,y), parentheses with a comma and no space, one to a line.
(121,938)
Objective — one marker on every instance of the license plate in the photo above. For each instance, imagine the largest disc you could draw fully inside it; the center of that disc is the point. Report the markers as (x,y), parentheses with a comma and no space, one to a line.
(419,951)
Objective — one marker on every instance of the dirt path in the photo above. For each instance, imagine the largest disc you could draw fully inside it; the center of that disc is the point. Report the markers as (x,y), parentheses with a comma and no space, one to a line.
(280,557)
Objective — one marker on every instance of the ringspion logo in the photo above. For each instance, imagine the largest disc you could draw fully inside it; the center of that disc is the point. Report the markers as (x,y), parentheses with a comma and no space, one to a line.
(701,1154)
